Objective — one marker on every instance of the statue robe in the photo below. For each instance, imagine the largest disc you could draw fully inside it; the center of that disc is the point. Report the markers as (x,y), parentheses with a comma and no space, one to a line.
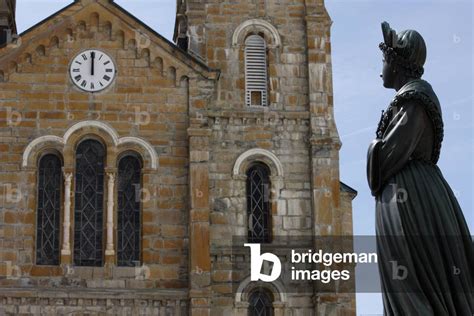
(425,250)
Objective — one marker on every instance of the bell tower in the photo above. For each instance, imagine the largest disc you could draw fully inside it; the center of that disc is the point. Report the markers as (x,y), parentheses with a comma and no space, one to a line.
(273,106)
(7,21)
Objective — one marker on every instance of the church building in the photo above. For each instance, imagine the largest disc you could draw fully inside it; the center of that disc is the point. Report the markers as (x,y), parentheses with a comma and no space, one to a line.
(130,165)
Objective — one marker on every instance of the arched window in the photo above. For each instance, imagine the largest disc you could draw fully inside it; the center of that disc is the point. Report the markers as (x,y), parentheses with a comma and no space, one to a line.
(260,303)
(89,203)
(48,210)
(258,204)
(255,71)
(129,219)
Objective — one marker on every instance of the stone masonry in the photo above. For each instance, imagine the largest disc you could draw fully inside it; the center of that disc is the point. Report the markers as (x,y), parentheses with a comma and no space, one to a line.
(183,111)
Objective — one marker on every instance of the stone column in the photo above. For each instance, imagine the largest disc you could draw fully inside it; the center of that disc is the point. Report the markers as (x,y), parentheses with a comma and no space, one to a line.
(109,249)
(199,250)
(66,248)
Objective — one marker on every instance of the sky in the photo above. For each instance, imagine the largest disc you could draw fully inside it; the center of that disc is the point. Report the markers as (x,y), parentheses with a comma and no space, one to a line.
(359,96)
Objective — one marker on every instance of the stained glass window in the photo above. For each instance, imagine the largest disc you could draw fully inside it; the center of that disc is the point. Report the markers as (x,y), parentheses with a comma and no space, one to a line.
(260,303)
(129,221)
(258,204)
(48,210)
(89,203)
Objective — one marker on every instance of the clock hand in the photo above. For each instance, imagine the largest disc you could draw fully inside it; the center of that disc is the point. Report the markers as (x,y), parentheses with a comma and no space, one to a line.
(92,63)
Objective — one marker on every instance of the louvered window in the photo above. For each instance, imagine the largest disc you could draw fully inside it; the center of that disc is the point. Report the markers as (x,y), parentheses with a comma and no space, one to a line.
(128,221)
(258,204)
(48,210)
(255,71)
(89,199)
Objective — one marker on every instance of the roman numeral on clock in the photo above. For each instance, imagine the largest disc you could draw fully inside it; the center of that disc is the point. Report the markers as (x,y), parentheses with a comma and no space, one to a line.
(92,70)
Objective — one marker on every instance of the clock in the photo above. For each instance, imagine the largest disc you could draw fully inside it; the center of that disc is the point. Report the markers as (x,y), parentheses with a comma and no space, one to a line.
(92,70)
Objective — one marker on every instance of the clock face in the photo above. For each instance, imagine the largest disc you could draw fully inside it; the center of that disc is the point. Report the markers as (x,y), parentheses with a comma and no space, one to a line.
(92,70)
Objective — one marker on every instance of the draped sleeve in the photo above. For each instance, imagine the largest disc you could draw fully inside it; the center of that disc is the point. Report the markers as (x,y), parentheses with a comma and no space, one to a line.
(388,155)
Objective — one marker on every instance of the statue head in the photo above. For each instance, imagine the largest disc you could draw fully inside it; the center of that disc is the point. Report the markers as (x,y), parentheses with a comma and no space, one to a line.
(404,56)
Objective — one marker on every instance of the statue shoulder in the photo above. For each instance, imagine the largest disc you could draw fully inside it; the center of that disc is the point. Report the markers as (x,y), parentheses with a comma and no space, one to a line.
(419,90)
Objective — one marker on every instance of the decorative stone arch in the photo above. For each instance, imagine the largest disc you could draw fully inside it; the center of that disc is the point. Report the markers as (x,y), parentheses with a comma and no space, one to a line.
(142,148)
(37,146)
(88,124)
(255,26)
(78,131)
(251,156)
(246,287)
(257,154)
(79,135)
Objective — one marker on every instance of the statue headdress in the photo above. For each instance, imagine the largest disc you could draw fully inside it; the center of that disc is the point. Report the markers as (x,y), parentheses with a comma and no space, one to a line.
(406,49)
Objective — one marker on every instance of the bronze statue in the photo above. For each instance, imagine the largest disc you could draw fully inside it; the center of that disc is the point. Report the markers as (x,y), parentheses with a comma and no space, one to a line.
(425,250)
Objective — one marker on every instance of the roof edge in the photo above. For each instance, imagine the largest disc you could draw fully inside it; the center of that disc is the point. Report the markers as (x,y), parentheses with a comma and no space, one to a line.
(210,73)
(348,189)
(161,37)
(47,18)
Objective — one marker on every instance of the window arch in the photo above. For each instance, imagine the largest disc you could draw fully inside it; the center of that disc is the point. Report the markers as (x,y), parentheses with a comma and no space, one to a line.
(260,303)
(89,203)
(129,210)
(256,93)
(48,209)
(258,203)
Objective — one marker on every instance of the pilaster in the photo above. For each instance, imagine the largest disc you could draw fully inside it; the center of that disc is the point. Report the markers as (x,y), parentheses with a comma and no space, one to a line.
(199,247)
(324,144)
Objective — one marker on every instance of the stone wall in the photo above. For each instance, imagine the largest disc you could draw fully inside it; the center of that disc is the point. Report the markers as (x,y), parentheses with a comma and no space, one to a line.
(147,105)
(295,136)
(94,302)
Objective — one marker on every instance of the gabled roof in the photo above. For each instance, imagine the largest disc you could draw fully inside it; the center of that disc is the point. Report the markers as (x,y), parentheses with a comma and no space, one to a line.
(133,22)
(171,44)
